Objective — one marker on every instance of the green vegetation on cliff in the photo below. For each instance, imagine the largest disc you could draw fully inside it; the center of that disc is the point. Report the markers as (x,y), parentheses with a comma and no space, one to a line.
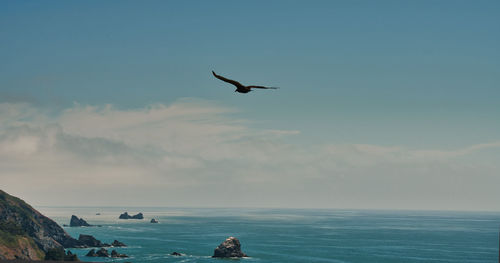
(25,233)
(15,242)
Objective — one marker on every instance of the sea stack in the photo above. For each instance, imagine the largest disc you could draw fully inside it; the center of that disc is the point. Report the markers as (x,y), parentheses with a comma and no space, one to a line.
(230,248)
(127,216)
(75,221)
(154,221)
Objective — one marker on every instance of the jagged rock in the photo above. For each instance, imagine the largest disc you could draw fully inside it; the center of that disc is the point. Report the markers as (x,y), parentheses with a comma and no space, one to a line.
(75,221)
(72,243)
(91,253)
(117,243)
(127,216)
(124,216)
(154,221)
(176,254)
(102,253)
(99,253)
(138,216)
(115,254)
(89,241)
(33,234)
(230,248)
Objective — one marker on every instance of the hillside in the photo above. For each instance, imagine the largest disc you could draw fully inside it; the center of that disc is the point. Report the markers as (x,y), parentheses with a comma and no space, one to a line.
(25,233)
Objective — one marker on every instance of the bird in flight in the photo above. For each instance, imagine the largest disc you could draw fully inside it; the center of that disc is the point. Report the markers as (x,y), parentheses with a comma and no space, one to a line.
(240,87)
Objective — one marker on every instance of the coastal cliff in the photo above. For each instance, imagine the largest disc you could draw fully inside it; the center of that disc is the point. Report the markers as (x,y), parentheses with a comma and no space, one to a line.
(27,234)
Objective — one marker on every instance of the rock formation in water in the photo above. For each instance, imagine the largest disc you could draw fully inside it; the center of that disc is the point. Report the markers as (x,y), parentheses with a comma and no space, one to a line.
(176,254)
(104,253)
(85,241)
(115,254)
(27,234)
(75,221)
(127,216)
(117,243)
(230,248)
(154,221)
(91,253)
(100,253)
(89,241)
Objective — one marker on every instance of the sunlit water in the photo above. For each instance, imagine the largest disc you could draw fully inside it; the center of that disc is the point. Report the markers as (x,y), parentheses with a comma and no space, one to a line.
(291,235)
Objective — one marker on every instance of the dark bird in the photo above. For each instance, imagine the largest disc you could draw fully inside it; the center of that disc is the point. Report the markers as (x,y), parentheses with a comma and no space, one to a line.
(240,87)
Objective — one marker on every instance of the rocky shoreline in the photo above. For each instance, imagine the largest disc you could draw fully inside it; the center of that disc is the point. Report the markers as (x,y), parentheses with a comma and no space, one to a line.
(26,236)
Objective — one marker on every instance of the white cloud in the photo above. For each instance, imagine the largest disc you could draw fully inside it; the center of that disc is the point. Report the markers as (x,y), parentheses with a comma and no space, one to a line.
(195,152)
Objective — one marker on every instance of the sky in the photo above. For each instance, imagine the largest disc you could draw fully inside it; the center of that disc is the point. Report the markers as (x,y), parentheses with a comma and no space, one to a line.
(382,104)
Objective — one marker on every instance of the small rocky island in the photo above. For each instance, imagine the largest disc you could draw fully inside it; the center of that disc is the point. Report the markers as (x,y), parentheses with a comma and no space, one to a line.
(154,221)
(76,222)
(230,248)
(127,216)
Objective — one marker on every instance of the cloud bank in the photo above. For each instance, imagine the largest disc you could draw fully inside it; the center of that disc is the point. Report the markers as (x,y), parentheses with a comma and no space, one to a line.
(197,153)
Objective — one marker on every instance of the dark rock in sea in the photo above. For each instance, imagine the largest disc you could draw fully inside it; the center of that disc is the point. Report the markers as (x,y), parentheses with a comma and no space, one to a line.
(176,254)
(127,216)
(106,245)
(115,254)
(89,241)
(230,248)
(138,216)
(117,243)
(124,216)
(154,221)
(31,234)
(91,253)
(102,253)
(75,221)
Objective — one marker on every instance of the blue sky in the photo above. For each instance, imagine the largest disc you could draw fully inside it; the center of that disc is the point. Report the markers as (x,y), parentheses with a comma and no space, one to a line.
(413,74)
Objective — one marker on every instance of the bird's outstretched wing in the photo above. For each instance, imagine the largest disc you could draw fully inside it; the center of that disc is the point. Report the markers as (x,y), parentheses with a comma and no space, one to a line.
(261,87)
(234,82)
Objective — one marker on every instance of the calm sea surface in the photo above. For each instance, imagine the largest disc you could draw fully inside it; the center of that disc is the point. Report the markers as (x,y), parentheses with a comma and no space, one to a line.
(291,235)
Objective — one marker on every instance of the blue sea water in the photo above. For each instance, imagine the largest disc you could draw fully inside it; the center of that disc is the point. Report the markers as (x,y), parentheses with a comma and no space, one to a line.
(291,235)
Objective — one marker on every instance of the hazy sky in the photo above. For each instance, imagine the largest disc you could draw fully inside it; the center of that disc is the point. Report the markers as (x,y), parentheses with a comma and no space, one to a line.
(383,104)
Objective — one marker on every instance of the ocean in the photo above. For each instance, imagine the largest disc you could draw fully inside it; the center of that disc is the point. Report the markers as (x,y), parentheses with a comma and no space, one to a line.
(290,235)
